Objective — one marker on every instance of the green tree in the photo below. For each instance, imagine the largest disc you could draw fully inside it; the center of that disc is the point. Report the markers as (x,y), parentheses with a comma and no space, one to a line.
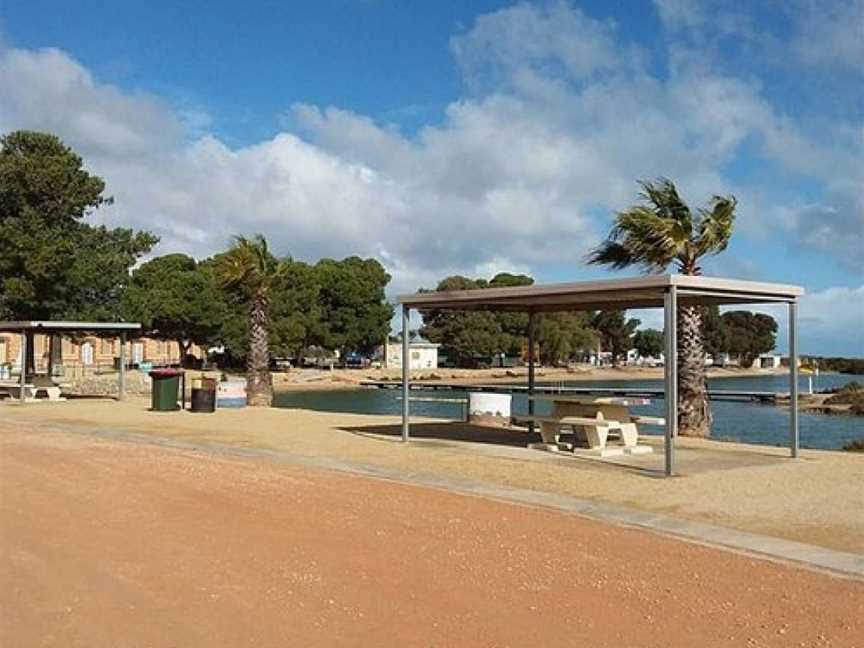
(53,265)
(296,311)
(649,343)
(175,300)
(466,337)
(294,314)
(354,313)
(715,334)
(616,332)
(513,327)
(750,334)
(471,337)
(655,234)
(562,336)
(250,269)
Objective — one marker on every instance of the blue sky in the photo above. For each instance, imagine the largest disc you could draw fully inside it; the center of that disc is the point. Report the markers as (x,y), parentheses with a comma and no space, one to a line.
(467,137)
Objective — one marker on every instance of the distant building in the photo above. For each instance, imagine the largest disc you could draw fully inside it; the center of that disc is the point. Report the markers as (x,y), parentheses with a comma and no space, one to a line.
(423,355)
(767,361)
(90,351)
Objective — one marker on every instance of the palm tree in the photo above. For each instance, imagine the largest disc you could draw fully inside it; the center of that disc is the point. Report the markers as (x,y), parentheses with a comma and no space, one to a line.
(249,267)
(659,232)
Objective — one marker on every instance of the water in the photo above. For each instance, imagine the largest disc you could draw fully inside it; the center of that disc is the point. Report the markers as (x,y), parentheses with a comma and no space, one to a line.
(734,421)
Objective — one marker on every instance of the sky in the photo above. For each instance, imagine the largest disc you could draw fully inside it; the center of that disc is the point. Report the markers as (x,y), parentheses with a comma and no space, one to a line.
(459,137)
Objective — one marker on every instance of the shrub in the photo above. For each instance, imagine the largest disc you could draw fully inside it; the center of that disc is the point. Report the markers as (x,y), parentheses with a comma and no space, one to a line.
(852,393)
(854,446)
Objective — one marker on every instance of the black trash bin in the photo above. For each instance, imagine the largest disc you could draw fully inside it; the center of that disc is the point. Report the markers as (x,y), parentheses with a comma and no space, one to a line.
(166,384)
(203,395)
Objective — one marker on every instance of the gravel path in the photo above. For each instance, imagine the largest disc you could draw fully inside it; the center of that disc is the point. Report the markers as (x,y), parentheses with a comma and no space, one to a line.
(107,543)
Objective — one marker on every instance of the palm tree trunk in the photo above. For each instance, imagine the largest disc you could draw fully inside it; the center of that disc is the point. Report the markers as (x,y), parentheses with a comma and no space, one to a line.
(694,411)
(259,389)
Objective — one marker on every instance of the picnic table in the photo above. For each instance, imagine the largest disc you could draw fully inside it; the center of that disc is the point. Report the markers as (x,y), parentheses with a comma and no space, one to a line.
(592,420)
(32,390)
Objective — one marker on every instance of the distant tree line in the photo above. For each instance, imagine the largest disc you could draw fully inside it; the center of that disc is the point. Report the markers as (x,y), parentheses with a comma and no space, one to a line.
(471,338)
(330,304)
(740,334)
(841,365)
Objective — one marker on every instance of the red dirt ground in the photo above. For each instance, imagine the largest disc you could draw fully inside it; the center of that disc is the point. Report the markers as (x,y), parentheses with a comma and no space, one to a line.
(118,544)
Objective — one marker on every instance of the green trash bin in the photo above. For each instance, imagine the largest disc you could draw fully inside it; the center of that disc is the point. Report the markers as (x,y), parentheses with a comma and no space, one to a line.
(166,384)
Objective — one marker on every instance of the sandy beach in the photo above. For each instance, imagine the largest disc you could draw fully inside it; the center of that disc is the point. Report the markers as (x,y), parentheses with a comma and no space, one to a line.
(323,379)
(117,544)
(816,499)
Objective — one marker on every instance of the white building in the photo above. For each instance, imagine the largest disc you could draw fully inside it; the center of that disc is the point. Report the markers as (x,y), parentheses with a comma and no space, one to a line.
(767,361)
(423,355)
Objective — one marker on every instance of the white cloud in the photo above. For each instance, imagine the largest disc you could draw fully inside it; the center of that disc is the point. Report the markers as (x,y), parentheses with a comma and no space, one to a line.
(831,34)
(47,89)
(832,321)
(556,39)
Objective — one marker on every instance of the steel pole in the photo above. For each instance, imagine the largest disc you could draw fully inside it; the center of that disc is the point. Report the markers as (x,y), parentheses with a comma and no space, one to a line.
(23,365)
(406,371)
(531,369)
(793,379)
(121,378)
(670,371)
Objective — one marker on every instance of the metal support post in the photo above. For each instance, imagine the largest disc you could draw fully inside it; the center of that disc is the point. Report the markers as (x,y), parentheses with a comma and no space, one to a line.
(406,371)
(793,379)
(670,365)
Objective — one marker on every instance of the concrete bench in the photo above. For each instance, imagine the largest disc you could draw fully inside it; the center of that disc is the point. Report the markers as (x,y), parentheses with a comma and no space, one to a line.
(32,392)
(596,430)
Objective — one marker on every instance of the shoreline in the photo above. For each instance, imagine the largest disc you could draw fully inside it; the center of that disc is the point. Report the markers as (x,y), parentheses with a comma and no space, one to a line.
(344,379)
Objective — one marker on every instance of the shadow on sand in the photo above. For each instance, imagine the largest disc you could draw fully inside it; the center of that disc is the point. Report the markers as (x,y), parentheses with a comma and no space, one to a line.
(511,444)
(450,431)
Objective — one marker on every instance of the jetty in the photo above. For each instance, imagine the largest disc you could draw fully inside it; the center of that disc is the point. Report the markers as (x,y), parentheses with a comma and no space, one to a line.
(554,388)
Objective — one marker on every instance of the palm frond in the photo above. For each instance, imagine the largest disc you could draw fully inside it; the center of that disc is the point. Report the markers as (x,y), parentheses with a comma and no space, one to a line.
(715,225)
(640,237)
(661,230)
(667,203)
(248,264)
(610,253)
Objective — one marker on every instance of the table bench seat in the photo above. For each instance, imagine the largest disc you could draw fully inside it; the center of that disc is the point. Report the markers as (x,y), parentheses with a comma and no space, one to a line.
(568,420)
(649,420)
(31,392)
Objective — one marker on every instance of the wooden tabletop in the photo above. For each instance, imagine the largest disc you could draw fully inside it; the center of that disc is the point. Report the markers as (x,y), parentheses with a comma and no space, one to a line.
(627,401)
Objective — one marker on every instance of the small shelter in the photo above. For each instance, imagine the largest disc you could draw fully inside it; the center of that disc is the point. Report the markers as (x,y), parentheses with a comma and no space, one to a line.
(656,291)
(27,329)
